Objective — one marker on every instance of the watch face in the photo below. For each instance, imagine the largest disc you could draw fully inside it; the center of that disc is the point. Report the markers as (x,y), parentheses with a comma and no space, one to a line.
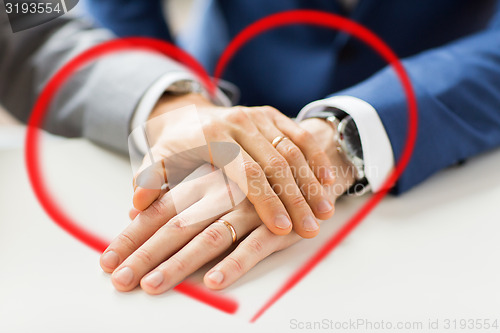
(352,139)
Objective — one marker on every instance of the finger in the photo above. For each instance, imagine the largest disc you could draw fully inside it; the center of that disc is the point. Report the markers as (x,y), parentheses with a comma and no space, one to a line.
(279,175)
(148,182)
(169,238)
(144,197)
(316,157)
(133,213)
(252,181)
(312,190)
(143,227)
(210,243)
(314,193)
(257,246)
(147,223)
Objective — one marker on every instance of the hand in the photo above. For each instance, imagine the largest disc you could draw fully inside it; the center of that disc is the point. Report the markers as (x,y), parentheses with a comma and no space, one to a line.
(283,183)
(160,248)
(161,232)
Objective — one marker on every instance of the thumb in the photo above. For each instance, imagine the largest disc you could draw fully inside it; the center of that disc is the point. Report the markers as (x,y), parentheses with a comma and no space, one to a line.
(148,185)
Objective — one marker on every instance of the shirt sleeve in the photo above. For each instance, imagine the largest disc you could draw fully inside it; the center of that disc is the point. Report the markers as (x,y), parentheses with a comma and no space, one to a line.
(377,149)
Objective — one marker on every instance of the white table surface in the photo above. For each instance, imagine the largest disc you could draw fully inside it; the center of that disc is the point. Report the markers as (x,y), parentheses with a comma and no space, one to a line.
(431,254)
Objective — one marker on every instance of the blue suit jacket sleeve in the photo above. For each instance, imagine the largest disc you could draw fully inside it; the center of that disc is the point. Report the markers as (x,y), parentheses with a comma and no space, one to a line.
(458,92)
(131,18)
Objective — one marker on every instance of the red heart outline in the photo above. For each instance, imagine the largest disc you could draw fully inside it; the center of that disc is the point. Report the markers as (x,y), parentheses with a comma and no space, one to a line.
(307,17)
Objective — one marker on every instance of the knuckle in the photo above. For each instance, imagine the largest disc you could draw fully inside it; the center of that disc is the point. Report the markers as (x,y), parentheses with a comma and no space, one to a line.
(311,185)
(178,224)
(293,153)
(255,246)
(236,265)
(238,116)
(298,201)
(277,162)
(214,128)
(256,114)
(303,136)
(125,239)
(268,199)
(252,169)
(144,255)
(178,263)
(251,110)
(156,209)
(212,237)
(269,110)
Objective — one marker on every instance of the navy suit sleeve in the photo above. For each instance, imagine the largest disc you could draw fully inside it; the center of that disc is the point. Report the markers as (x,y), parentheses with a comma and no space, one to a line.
(131,17)
(458,92)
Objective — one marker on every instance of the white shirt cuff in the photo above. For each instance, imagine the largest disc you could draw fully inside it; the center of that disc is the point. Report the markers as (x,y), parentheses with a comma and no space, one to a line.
(153,94)
(377,149)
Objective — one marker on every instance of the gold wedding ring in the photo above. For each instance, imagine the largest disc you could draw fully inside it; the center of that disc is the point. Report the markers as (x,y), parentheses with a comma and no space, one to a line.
(230,227)
(277,140)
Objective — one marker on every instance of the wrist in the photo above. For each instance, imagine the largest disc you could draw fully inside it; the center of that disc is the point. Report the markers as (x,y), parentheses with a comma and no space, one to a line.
(325,137)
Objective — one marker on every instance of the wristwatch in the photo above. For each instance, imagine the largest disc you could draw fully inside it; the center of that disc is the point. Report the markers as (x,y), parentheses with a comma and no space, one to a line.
(348,144)
(183,87)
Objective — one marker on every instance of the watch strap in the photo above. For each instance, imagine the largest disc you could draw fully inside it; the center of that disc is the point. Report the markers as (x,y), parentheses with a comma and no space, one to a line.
(361,185)
(182,87)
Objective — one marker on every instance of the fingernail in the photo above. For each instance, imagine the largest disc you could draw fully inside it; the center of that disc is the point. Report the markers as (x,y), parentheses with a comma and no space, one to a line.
(110,259)
(310,224)
(154,279)
(124,276)
(324,206)
(216,277)
(282,222)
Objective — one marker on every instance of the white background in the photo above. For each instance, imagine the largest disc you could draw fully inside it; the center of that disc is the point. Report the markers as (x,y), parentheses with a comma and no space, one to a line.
(432,253)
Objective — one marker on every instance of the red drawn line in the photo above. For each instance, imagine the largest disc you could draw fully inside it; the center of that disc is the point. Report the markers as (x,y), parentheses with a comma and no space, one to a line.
(328,247)
(332,21)
(286,18)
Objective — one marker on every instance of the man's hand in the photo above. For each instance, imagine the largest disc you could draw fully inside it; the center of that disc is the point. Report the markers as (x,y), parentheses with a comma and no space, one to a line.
(160,247)
(284,183)
(325,136)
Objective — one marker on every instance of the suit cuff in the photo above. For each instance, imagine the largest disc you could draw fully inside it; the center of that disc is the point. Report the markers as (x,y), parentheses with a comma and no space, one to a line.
(377,149)
(113,87)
